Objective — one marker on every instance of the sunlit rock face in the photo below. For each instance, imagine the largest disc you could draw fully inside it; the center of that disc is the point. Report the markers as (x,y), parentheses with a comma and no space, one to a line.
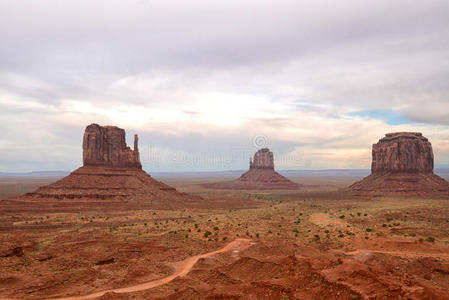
(106,146)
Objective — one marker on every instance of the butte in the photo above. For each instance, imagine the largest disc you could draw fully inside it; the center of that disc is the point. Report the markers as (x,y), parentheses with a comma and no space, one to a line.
(111,178)
(402,163)
(260,176)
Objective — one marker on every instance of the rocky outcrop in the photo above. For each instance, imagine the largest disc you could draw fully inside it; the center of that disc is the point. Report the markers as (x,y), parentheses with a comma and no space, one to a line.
(402,163)
(263,159)
(402,152)
(106,146)
(260,176)
(111,178)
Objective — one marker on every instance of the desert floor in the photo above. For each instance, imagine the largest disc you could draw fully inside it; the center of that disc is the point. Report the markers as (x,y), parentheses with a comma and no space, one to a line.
(315,243)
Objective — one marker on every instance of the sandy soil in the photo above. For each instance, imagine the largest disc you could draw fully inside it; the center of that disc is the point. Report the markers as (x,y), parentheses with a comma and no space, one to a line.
(184,268)
(317,244)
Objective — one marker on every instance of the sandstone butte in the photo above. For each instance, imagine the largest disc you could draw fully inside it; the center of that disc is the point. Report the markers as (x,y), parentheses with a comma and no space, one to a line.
(402,163)
(111,177)
(260,176)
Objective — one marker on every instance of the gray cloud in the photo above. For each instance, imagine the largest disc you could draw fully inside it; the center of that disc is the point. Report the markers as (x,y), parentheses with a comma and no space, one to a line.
(293,70)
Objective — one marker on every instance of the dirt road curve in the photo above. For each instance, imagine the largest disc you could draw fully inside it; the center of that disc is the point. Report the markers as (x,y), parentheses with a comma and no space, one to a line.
(183,269)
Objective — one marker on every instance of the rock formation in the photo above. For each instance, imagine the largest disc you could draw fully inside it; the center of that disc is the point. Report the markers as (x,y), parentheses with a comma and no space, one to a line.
(260,176)
(111,177)
(402,152)
(106,146)
(263,159)
(402,162)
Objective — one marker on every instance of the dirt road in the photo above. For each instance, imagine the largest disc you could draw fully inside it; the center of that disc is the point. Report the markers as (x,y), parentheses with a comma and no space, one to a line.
(184,268)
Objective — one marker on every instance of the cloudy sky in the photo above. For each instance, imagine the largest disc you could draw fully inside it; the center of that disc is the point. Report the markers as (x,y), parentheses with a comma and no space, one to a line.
(206,83)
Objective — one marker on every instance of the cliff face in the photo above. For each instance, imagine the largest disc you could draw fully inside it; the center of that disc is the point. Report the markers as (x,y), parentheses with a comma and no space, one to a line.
(263,159)
(106,146)
(402,164)
(402,152)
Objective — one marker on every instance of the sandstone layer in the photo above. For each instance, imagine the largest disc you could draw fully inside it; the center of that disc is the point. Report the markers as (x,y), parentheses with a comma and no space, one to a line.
(111,177)
(402,163)
(260,176)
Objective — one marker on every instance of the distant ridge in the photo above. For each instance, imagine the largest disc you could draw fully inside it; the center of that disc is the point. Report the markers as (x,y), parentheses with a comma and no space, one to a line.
(36,173)
(443,172)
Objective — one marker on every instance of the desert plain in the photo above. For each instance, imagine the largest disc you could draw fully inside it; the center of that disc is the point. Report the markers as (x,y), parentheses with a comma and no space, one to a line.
(318,242)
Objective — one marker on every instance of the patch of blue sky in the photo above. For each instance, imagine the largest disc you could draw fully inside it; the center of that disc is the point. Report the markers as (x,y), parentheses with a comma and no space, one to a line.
(390,117)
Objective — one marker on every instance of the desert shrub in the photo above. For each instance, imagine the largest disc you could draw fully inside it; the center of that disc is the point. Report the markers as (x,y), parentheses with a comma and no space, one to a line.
(430,239)
(384,225)
(342,217)
(207,233)
(368,230)
(216,228)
